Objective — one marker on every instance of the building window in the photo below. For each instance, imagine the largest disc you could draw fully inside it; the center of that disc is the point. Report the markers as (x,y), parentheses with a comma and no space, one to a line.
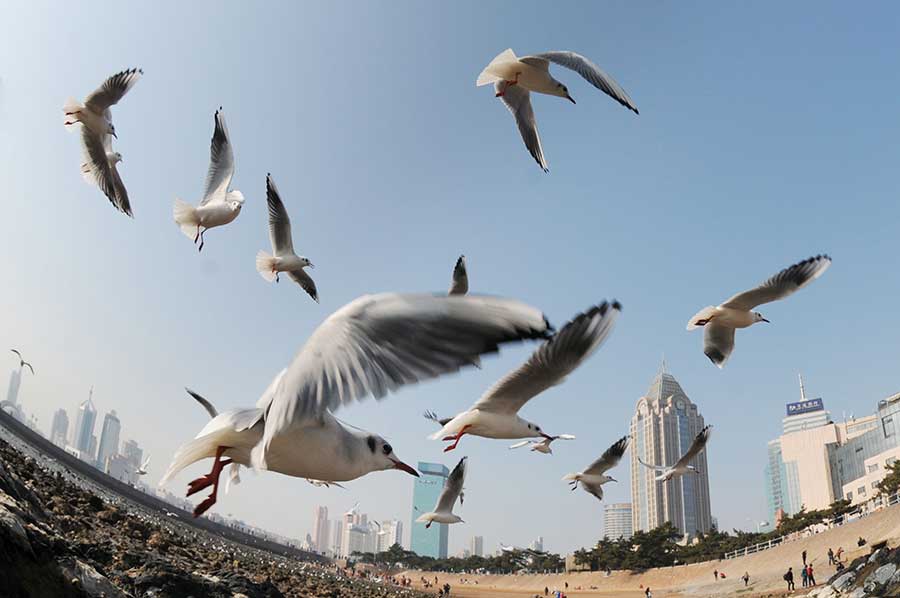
(861,491)
(849,496)
(859,449)
(886,423)
(872,468)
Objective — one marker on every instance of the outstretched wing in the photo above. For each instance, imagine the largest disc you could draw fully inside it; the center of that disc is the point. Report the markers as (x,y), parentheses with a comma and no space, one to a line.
(520,444)
(698,445)
(592,73)
(453,487)
(433,417)
(782,284)
(97,170)
(518,100)
(112,90)
(378,343)
(460,283)
(609,459)
(653,467)
(279,221)
(305,281)
(203,402)
(718,342)
(221,163)
(553,361)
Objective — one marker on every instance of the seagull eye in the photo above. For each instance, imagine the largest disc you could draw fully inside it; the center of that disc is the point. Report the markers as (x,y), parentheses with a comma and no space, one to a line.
(387,449)
(529,426)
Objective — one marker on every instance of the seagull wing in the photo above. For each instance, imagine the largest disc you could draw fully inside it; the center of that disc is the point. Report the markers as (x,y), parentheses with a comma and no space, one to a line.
(279,221)
(24,363)
(97,170)
(518,100)
(112,90)
(433,417)
(378,343)
(565,437)
(718,342)
(609,459)
(553,361)
(146,463)
(460,282)
(203,402)
(595,489)
(453,487)
(520,444)
(305,281)
(269,394)
(698,445)
(782,284)
(17,353)
(221,163)
(592,73)
(653,467)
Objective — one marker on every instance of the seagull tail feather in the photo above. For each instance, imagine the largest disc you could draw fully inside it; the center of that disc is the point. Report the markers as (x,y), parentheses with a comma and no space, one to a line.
(571,477)
(703,314)
(71,105)
(264,265)
(199,448)
(486,77)
(186,218)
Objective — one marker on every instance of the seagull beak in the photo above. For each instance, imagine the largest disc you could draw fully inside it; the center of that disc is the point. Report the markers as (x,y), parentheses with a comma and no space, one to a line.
(547,436)
(568,97)
(766,321)
(612,479)
(116,136)
(404,467)
(312,265)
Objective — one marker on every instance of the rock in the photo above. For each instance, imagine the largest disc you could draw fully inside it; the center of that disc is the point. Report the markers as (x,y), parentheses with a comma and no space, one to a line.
(843,582)
(880,576)
(92,583)
(857,593)
(877,556)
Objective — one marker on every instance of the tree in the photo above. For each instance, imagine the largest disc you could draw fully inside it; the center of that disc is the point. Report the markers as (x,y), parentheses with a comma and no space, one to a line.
(891,482)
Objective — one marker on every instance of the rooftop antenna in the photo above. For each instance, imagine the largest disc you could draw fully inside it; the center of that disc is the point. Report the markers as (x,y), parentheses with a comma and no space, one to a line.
(802,390)
(664,367)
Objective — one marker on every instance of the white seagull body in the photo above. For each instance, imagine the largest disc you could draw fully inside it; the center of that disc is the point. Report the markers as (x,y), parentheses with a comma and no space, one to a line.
(453,487)
(683,465)
(543,445)
(143,469)
(594,476)
(284,258)
(514,78)
(495,414)
(219,206)
(95,116)
(721,321)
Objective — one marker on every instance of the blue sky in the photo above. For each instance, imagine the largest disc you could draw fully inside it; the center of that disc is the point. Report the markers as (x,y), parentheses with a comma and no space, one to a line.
(767,134)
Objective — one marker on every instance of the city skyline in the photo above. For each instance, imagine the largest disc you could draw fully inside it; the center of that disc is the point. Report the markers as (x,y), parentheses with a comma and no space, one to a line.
(714,143)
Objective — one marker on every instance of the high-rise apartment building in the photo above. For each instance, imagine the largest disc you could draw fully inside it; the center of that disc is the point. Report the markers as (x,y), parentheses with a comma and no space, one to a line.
(84,426)
(320,535)
(617,520)
(59,429)
(109,439)
(426,491)
(663,428)
(476,546)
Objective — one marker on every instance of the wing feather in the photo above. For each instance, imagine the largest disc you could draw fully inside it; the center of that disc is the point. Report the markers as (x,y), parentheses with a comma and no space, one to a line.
(453,486)
(609,459)
(221,163)
(786,282)
(518,101)
(112,90)
(592,73)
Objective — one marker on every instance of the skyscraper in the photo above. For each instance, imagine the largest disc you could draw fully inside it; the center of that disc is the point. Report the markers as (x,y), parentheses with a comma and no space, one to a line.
(320,537)
(391,533)
(663,427)
(617,520)
(537,545)
(477,546)
(134,455)
(59,429)
(84,425)
(426,490)
(12,392)
(337,534)
(109,439)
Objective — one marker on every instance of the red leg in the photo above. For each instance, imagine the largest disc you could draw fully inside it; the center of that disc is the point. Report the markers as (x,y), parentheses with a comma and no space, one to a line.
(508,84)
(210,479)
(458,436)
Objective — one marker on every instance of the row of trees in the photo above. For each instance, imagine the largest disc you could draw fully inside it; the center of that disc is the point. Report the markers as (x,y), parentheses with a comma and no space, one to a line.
(508,561)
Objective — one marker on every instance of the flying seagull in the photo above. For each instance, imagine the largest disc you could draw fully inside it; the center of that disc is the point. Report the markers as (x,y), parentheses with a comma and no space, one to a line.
(219,206)
(515,78)
(543,445)
(97,131)
(682,466)
(284,260)
(594,476)
(453,487)
(720,322)
(22,362)
(372,346)
(495,414)
(142,470)
(459,285)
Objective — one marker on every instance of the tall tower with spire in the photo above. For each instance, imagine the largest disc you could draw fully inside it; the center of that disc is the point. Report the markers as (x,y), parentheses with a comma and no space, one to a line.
(663,427)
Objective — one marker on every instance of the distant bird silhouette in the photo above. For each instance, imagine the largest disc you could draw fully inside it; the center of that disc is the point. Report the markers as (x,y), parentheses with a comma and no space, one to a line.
(22,362)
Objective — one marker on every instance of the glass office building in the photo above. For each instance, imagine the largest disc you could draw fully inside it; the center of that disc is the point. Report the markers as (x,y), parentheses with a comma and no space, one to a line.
(426,491)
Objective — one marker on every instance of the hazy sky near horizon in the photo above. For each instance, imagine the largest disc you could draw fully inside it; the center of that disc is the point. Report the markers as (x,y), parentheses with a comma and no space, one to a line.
(768,133)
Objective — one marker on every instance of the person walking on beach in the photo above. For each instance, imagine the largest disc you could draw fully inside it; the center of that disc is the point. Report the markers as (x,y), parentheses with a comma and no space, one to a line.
(803,577)
(839,552)
(546,591)
(803,554)
(809,575)
(648,593)
(716,574)
(789,578)
(830,556)
(746,578)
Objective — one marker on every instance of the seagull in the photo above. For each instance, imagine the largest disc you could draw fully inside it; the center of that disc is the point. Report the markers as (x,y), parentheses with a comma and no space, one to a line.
(284,260)
(593,478)
(373,345)
(321,484)
(514,78)
(542,446)
(142,470)
(459,285)
(453,487)
(495,414)
(681,467)
(22,362)
(219,206)
(720,322)
(97,131)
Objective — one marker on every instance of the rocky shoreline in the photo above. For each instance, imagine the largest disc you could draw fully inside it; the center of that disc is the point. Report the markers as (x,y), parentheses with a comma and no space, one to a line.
(60,539)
